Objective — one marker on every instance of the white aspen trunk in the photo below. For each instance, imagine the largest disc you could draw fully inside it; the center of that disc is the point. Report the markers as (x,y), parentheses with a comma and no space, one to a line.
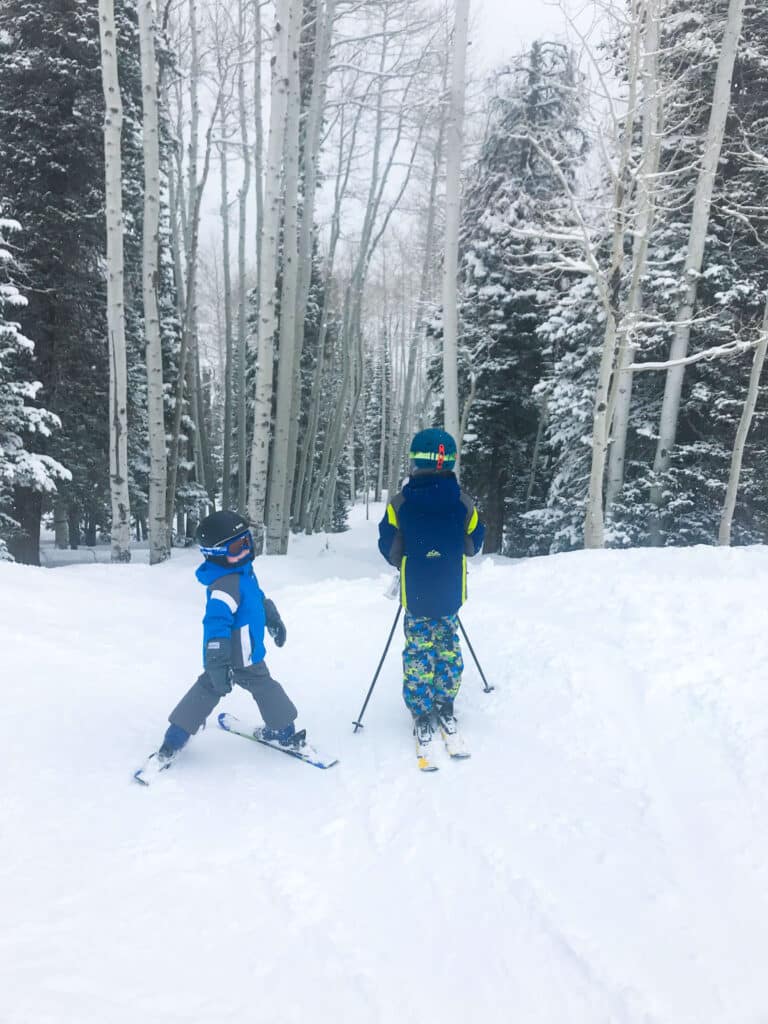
(180,205)
(721,101)
(257,491)
(454,149)
(366,471)
(610,288)
(310,167)
(258,137)
(118,372)
(159,548)
(352,331)
(384,419)
(195,412)
(258,175)
(241,240)
(188,226)
(311,157)
(398,456)
(286,365)
(305,508)
(352,475)
(333,447)
(226,483)
(652,116)
(726,521)
(191,226)
(309,442)
(351,390)
(208,478)
(174,202)
(347,399)
(397,391)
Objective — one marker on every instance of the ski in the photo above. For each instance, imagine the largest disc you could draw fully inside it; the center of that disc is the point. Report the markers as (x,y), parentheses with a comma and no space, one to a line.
(151,768)
(305,752)
(454,742)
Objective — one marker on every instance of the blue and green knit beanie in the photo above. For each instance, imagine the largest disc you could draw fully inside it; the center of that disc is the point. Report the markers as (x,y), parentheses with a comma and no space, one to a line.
(433,449)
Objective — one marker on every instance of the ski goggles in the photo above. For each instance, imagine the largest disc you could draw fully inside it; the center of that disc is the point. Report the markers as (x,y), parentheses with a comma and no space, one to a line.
(440,457)
(232,548)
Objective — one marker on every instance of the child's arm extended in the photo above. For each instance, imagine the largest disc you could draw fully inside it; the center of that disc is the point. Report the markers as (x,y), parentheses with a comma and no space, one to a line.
(474,529)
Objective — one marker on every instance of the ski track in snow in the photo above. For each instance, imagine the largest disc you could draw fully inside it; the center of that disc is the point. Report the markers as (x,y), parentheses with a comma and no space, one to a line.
(600,858)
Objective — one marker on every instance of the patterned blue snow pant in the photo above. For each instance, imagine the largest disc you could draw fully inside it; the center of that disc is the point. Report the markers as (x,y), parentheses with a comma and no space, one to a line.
(432,662)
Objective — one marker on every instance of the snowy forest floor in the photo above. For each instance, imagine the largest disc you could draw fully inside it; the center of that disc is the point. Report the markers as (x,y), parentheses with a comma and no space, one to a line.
(603,856)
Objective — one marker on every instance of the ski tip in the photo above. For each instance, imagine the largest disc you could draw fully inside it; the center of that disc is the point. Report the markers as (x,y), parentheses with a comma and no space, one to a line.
(138,777)
(222,720)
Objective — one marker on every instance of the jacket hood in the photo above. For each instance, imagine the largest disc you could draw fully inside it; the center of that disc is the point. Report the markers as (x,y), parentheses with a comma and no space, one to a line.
(209,572)
(430,488)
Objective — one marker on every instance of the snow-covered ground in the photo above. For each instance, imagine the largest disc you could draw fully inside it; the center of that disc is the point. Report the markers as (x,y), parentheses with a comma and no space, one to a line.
(603,857)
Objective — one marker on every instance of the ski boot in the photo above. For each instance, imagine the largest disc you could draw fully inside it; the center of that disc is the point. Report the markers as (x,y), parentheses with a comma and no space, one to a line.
(423,729)
(287,737)
(446,719)
(175,738)
(162,759)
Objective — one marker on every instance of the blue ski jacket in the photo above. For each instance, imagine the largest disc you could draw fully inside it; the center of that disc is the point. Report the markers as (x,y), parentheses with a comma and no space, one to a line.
(428,531)
(234,610)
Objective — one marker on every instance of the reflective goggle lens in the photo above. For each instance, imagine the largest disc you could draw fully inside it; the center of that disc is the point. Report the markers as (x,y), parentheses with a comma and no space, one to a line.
(232,548)
(239,545)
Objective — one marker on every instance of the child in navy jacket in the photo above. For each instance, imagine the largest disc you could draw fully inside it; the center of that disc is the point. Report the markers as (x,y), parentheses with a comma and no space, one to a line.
(427,532)
(236,614)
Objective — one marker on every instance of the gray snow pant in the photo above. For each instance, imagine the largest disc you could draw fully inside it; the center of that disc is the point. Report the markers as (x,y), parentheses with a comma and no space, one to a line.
(275,707)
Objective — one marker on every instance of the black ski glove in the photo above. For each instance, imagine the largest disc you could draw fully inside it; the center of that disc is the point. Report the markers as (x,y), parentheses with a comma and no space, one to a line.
(218,657)
(275,625)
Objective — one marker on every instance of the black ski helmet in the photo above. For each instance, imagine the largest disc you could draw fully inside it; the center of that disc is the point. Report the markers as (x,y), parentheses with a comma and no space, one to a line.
(217,529)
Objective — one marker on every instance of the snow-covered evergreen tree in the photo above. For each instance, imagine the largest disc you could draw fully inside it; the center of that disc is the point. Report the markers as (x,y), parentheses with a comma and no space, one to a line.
(572,337)
(52,173)
(509,284)
(23,423)
(729,309)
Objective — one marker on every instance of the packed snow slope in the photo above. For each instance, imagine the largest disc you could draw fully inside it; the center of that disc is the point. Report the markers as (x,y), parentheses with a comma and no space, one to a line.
(603,856)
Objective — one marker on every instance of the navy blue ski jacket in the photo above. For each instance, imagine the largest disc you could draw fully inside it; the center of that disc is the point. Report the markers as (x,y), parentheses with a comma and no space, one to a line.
(234,610)
(428,531)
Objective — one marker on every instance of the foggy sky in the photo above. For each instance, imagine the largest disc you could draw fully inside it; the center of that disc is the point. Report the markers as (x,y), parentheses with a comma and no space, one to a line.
(502,28)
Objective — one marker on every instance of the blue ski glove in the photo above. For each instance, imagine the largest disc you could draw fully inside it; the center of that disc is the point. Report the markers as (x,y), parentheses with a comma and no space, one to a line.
(218,655)
(275,625)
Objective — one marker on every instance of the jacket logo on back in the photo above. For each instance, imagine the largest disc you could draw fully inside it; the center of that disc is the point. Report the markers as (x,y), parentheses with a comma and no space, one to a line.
(434,553)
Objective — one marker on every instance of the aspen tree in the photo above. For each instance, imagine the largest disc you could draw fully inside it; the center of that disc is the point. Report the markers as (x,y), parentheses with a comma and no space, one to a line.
(702,203)
(158,463)
(724,536)
(286,368)
(454,150)
(118,374)
(260,444)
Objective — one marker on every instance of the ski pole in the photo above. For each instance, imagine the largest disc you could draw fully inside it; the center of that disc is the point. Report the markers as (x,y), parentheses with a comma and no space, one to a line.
(486,687)
(359,723)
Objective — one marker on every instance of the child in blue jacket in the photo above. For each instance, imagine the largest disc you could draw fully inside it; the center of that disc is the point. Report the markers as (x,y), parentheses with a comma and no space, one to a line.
(427,532)
(236,614)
